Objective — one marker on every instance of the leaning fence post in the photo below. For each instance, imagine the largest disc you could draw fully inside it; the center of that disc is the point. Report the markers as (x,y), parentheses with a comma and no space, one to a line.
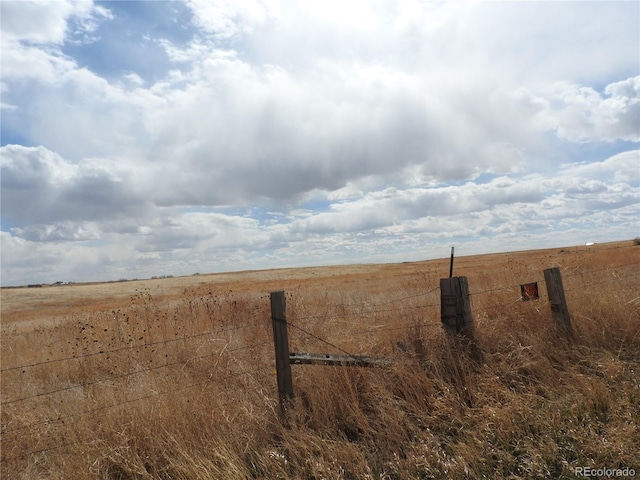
(281,344)
(558,302)
(455,305)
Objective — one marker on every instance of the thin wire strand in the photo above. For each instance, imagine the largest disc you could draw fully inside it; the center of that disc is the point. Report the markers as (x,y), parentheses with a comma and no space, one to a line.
(6,432)
(131,347)
(604,269)
(365,305)
(120,376)
(126,402)
(320,339)
(603,281)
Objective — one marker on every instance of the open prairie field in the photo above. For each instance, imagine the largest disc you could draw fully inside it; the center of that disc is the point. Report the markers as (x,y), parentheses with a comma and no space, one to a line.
(174,378)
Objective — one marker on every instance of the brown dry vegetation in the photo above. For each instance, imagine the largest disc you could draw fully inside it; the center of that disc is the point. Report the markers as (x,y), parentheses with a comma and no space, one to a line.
(174,378)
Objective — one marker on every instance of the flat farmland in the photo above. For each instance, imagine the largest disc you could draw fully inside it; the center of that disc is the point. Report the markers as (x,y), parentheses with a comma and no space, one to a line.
(174,377)
(55,302)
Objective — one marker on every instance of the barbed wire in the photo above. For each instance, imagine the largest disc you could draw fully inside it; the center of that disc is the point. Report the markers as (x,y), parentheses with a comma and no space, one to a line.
(357,313)
(567,287)
(564,276)
(404,327)
(603,269)
(365,308)
(499,289)
(123,375)
(185,363)
(408,297)
(365,311)
(365,305)
(319,338)
(362,332)
(131,347)
(605,281)
(118,404)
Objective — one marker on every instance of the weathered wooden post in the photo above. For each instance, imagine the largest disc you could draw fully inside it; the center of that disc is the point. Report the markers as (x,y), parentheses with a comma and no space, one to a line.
(557,300)
(281,344)
(456,318)
(455,304)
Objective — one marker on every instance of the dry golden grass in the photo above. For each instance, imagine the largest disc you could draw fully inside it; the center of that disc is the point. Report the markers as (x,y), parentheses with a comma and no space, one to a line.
(174,378)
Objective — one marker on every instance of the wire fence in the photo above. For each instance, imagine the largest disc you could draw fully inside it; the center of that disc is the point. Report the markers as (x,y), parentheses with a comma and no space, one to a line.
(130,347)
(358,310)
(62,419)
(418,303)
(368,309)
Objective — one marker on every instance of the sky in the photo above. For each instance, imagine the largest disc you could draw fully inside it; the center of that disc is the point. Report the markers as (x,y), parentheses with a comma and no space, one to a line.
(157,138)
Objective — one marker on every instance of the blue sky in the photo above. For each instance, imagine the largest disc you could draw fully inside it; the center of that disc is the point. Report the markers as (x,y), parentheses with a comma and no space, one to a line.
(167,138)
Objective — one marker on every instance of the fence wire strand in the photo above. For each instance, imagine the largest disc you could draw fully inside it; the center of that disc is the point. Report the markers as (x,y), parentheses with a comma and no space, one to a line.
(118,404)
(128,374)
(319,338)
(132,346)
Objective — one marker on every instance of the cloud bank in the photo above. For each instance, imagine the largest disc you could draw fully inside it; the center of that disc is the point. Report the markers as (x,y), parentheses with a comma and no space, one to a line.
(150,138)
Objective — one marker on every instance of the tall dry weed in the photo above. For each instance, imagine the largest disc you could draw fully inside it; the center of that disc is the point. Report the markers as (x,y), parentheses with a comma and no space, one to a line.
(185,389)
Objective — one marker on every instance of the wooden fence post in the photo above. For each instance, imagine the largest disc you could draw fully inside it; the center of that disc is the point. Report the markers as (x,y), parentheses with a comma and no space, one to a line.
(558,302)
(281,344)
(455,305)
